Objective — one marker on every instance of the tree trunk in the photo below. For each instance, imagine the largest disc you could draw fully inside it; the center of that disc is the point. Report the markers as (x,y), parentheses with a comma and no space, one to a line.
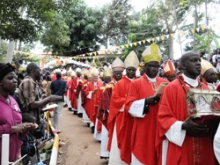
(206,13)
(19,46)
(16,44)
(195,25)
(11,47)
(0,43)
(179,39)
(106,47)
(171,47)
(209,51)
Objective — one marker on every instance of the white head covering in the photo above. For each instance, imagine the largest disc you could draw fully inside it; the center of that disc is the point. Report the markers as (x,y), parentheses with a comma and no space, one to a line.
(118,65)
(64,71)
(206,65)
(131,60)
(107,73)
(73,73)
(78,70)
(94,72)
(57,71)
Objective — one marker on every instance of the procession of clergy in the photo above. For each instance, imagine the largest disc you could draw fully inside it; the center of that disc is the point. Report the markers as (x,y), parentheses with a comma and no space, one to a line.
(138,125)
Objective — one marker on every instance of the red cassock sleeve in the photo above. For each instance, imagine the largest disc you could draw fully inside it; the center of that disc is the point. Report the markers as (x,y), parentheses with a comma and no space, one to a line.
(106,98)
(118,99)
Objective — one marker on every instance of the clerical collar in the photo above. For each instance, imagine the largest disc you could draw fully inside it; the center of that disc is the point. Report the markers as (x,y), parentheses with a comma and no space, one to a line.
(190,81)
(131,79)
(212,85)
(151,79)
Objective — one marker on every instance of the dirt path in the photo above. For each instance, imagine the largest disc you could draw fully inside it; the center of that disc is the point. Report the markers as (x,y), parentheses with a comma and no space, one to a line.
(81,148)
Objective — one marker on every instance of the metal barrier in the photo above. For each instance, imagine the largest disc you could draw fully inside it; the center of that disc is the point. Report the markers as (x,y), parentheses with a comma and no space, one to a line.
(5,151)
(54,154)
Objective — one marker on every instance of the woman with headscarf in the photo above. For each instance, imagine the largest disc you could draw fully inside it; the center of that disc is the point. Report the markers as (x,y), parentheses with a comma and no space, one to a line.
(10,118)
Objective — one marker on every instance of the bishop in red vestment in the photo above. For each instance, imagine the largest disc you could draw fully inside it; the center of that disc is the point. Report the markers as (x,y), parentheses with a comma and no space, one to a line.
(140,117)
(180,140)
(118,100)
(208,74)
(70,90)
(93,93)
(117,69)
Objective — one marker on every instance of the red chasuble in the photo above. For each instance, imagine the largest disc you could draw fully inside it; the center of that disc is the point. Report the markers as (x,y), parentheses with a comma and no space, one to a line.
(54,77)
(194,151)
(93,103)
(79,87)
(140,133)
(73,90)
(70,91)
(105,103)
(83,95)
(118,99)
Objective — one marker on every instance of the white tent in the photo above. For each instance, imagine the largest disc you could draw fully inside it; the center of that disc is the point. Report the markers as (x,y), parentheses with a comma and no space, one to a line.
(63,62)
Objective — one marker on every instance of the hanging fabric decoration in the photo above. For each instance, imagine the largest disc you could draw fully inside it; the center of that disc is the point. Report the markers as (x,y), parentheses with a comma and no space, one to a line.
(182,33)
(126,45)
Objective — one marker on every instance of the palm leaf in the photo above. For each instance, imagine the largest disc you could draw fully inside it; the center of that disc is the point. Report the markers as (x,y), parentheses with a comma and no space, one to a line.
(200,39)
(216,43)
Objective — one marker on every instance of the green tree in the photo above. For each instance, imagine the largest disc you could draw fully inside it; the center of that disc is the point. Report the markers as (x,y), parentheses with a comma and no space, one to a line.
(77,29)
(115,22)
(207,41)
(198,15)
(56,33)
(3,50)
(144,25)
(172,14)
(23,19)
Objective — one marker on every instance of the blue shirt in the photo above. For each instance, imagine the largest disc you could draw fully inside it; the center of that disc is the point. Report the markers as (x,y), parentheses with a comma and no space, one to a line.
(58,87)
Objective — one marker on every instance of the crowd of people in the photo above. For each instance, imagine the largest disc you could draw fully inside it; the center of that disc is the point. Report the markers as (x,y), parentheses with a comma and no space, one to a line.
(137,110)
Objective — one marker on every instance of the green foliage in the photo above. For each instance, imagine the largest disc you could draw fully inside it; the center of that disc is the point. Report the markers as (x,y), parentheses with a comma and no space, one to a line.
(23,19)
(144,25)
(27,47)
(73,28)
(115,22)
(25,57)
(3,50)
(56,33)
(208,41)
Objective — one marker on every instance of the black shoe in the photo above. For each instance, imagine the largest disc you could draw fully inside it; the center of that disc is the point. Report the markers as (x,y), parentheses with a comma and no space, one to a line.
(92,129)
(102,157)
(74,112)
(80,115)
(70,109)
(65,105)
(88,124)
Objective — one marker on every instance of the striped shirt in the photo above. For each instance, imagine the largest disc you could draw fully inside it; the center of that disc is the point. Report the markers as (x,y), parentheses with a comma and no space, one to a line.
(29,92)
